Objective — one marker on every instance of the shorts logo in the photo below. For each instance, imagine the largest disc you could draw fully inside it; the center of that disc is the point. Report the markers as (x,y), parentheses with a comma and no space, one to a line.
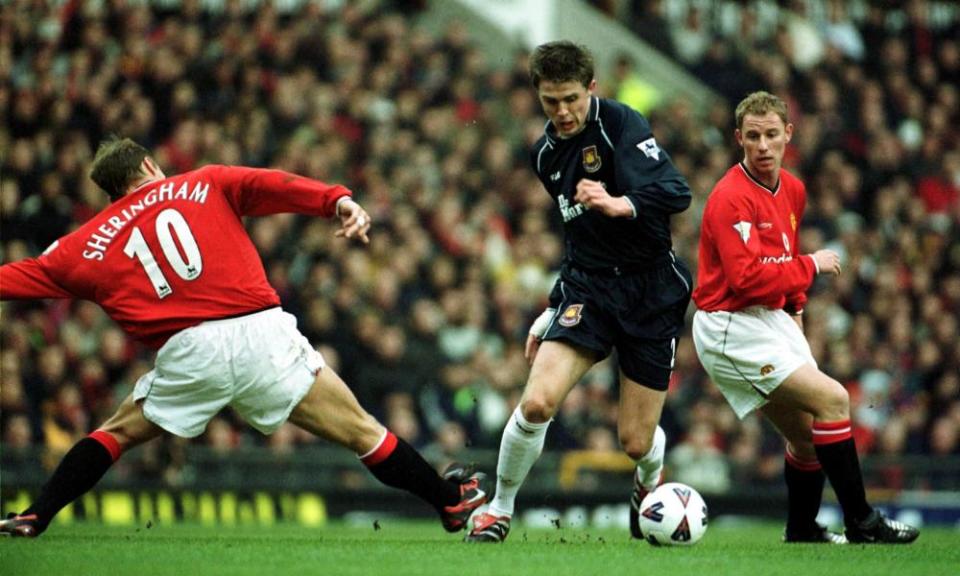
(591,159)
(571,316)
(766,369)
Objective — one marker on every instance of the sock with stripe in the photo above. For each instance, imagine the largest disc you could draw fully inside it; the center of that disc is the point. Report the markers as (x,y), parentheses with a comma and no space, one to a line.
(398,465)
(804,491)
(837,454)
(520,447)
(79,471)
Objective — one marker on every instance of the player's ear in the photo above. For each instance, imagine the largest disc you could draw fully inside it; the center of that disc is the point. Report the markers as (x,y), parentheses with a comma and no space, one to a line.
(592,85)
(739,136)
(788,132)
(150,168)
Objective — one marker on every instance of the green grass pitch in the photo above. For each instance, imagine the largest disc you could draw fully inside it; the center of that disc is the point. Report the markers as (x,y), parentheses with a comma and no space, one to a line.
(405,547)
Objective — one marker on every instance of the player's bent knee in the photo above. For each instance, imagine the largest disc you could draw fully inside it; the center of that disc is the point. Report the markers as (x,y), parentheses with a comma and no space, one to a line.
(802,449)
(835,402)
(636,448)
(538,409)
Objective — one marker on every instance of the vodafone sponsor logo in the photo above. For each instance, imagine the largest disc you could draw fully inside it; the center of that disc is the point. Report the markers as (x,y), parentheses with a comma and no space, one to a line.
(776,259)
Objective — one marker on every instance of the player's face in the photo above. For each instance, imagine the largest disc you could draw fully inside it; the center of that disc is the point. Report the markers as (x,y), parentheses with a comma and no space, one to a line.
(566,105)
(764,139)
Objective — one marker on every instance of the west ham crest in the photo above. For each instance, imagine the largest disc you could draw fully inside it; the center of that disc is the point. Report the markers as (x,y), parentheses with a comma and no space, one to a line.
(591,159)
(571,316)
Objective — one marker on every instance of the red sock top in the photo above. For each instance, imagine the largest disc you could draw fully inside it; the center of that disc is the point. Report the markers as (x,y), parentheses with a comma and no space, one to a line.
(382,451)
(108,442)
(831,432)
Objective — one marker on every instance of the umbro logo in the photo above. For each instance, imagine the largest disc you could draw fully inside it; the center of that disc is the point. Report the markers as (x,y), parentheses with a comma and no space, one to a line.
(555,176)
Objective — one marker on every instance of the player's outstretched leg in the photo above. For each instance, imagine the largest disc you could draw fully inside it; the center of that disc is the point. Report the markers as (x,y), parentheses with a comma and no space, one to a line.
(331,411)
(79,471)
(81,468)
(646,478)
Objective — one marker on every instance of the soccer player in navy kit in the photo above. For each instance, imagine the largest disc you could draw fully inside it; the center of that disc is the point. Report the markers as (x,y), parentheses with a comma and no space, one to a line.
(748,329)
(620,285)
(170,261)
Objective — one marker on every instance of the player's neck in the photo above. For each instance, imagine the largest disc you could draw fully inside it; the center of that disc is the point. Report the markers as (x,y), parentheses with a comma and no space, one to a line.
(141,182)
(767,178)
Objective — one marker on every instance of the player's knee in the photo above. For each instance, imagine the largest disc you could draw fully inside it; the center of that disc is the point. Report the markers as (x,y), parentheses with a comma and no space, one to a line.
(636,446)
(802,448)
(538,409)
(834,402)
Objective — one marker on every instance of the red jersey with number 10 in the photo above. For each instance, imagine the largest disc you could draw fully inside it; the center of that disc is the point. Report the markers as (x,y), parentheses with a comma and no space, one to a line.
(172,253)
(748,245)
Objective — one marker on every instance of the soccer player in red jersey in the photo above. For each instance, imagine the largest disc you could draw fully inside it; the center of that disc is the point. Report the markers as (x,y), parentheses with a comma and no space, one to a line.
(170,261)
(748,329)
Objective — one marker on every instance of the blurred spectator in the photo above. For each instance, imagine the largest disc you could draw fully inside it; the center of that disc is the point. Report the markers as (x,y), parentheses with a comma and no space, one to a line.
(697,461)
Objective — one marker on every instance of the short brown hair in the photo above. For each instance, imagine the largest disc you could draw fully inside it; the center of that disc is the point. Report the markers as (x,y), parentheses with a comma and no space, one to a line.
(561,61)
(116,165)
(759,104)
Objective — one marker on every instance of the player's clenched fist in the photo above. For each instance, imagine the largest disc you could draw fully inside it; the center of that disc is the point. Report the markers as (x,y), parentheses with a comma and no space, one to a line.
(594,196)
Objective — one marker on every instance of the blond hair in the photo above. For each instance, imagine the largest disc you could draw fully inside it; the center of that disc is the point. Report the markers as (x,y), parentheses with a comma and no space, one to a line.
(759,104)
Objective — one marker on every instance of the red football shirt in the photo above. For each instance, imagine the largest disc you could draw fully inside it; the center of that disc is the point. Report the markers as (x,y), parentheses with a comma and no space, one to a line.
(172,253)
(748,245)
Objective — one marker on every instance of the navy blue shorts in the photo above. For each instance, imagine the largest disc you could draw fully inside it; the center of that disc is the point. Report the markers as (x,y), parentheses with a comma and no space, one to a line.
(640,314)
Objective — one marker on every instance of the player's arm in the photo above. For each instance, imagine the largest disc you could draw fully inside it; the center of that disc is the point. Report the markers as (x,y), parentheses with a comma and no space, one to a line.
(730,222)
(259,192)
(645,173)
(28,280)
(797,301)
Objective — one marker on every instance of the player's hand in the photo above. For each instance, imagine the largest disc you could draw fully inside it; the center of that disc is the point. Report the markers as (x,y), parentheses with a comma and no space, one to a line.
(594,196)
(354,221)
(530,350)
(828,262)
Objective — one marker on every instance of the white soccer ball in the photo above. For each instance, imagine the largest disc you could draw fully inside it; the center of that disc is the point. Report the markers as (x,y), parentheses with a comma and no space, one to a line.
(673,515)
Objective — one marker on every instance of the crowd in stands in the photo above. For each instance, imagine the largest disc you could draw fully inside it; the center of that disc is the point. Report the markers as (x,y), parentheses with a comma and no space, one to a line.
(427,323)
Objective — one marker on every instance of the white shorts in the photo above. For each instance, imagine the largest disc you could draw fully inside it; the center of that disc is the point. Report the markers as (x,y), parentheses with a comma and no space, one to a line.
(749,353)
(259,364)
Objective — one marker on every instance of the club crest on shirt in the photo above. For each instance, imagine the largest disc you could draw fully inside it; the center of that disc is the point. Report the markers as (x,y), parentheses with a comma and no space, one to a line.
(793,221)
(591,159)
(767,368)
(571,315)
